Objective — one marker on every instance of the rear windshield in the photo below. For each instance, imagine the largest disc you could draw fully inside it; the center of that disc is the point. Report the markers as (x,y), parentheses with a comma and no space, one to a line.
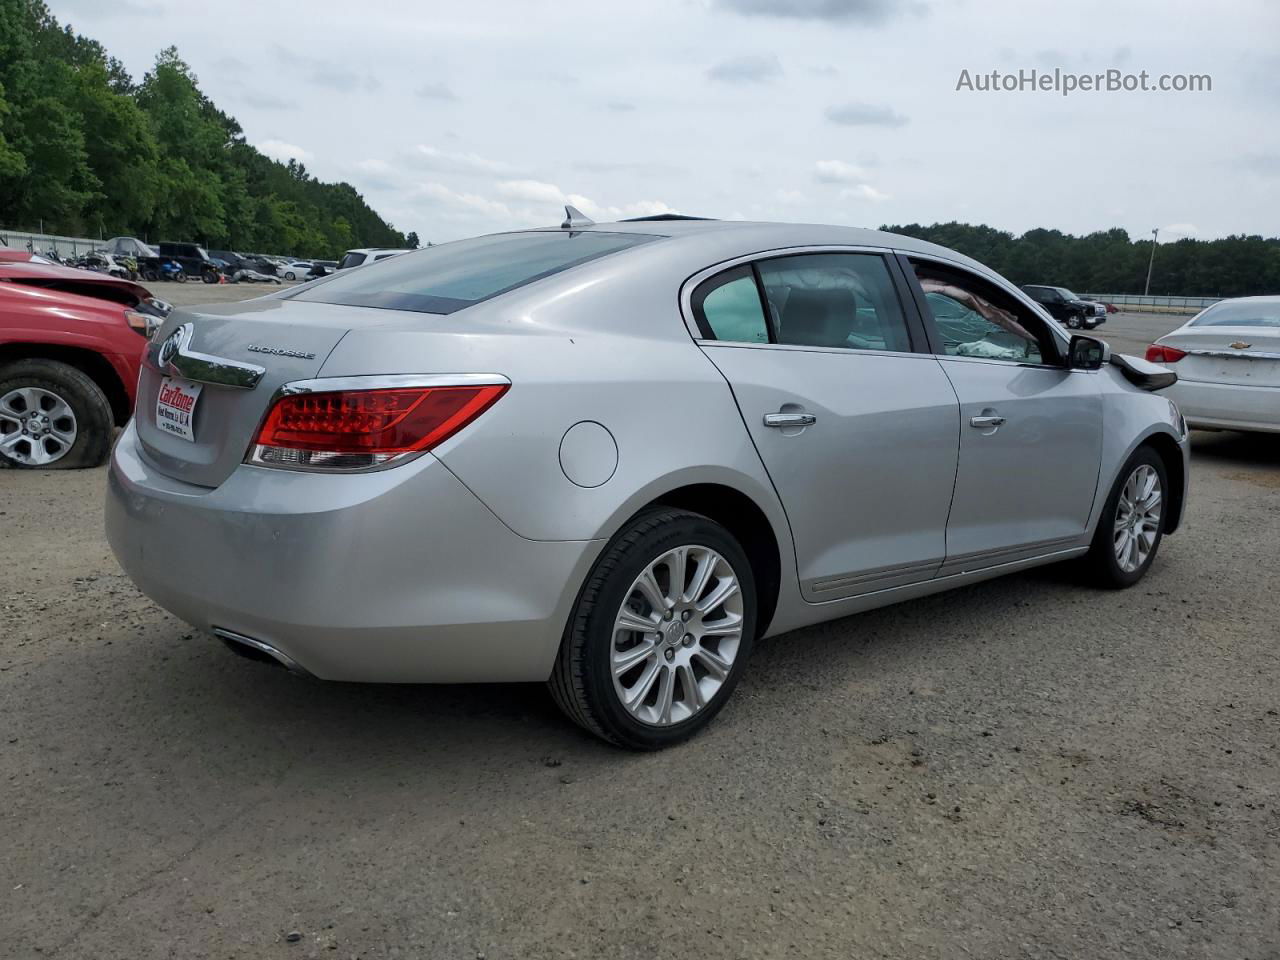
(1242,313)
(451,276)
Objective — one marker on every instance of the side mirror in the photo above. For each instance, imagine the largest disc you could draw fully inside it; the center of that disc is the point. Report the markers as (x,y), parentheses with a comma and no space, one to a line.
(1087,353)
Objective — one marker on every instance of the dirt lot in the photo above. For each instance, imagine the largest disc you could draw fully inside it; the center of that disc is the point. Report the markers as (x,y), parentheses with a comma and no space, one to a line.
(1024,768)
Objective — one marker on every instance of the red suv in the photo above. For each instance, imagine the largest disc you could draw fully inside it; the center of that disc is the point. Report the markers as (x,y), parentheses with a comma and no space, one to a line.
(70,347)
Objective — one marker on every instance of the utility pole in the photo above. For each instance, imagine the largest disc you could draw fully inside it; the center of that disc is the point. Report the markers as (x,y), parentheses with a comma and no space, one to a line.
(1155,234)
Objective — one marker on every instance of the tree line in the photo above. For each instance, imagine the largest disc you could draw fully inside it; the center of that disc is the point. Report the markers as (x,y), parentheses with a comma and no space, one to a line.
(1110,261)
(86,151)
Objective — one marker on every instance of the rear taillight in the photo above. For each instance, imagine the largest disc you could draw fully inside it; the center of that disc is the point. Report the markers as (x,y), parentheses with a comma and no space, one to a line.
(1158,354)
(359,429)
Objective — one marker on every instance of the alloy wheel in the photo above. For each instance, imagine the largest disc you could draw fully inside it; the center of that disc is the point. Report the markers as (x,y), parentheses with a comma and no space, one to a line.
(676,635)
(37,427)
(1138,514)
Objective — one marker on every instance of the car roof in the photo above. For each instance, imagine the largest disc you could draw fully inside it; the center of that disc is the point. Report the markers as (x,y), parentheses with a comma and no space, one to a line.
(734,238)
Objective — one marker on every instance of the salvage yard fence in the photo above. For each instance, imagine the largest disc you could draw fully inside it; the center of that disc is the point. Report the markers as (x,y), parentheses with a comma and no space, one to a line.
(44,242)
(1144,304)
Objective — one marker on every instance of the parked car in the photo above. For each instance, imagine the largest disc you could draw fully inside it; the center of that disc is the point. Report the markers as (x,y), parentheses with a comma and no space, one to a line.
(1065,307)
(10,255)
(363,255)
(1228,363)
(297,270)
(194,260)
(70,345)
(245,261)
(616,454)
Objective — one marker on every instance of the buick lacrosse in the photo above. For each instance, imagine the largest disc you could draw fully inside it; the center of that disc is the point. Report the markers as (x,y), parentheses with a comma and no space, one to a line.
(612,456)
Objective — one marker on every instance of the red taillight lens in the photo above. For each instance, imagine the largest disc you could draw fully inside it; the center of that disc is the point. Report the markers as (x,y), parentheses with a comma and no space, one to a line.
(1159,354)
(351,429)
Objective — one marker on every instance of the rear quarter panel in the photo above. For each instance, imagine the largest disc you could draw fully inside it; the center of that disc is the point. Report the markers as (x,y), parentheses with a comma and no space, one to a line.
(606,344)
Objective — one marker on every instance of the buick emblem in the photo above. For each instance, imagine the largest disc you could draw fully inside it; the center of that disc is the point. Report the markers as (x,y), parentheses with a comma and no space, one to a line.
(170,347)
(1241,345)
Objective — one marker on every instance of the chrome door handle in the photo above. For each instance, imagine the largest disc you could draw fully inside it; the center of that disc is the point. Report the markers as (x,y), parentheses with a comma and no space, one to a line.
(789,419)
(984,422)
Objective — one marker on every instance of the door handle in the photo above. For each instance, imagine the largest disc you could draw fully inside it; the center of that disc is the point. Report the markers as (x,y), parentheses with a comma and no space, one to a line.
(789,419)
(983,423)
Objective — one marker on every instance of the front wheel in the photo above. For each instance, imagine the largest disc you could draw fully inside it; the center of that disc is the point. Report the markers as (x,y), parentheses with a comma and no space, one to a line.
(1132,523)
(1073,322)
(660,631)
(52,416)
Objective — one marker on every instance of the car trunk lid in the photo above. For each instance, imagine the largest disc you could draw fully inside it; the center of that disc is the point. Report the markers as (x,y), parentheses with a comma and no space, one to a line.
(233,357)
(1239,355)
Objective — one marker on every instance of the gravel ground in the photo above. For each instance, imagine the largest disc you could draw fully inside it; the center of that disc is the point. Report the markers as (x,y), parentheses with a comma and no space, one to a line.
(1026,767)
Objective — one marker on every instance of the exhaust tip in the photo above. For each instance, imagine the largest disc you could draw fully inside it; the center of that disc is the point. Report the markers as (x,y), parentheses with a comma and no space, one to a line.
(259,650)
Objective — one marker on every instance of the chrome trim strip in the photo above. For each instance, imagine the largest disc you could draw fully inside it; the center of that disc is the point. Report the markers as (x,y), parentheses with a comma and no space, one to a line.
(173,356)
(390,382)
(1235,354)
(283,659)
(870,577)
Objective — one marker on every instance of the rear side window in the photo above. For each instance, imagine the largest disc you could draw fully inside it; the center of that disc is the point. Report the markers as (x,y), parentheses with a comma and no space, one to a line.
(351,260)
(727,307)
(844,301)
(451,276)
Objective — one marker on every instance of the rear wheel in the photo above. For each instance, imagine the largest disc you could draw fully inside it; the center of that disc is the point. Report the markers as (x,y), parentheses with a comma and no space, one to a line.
(52,416)
(660,631)
(1132,523)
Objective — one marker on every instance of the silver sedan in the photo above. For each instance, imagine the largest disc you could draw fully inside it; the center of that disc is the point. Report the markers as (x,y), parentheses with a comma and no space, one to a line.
(611,457)
(1228,363)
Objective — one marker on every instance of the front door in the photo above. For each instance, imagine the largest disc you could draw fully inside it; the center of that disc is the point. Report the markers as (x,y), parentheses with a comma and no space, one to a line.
(1030,429)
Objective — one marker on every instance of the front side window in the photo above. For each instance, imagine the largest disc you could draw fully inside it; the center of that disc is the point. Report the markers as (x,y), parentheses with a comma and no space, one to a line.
(834,300)
(977,319)
(727,307)
(452,276)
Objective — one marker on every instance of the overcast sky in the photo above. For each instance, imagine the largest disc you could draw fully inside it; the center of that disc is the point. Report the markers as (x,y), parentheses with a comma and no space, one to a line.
(461,118)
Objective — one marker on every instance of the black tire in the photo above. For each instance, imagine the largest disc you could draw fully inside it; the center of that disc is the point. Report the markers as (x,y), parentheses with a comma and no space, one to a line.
(209,276)
(1101,564)
(1073,322)
(289,276)
(94,422)
(582,682)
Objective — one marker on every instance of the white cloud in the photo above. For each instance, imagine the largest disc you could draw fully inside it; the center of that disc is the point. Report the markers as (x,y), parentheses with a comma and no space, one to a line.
(837,171)
(551,196)
(1176,231)
(791,196)
(437,159)
(282,151)
(863,191)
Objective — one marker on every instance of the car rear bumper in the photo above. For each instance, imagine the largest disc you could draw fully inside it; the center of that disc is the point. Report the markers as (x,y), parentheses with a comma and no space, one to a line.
(1225,406)
(401,575)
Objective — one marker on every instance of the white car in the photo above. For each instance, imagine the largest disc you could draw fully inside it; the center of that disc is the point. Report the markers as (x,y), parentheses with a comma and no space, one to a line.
(363,255)
(1228,362)
(297,270)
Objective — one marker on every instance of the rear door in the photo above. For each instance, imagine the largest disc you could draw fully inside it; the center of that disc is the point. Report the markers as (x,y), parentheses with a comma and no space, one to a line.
(1030,429)
(857,429)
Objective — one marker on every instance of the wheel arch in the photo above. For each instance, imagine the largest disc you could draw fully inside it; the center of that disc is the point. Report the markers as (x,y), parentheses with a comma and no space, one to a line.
(748,523)
(1170,453)
(89,362)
